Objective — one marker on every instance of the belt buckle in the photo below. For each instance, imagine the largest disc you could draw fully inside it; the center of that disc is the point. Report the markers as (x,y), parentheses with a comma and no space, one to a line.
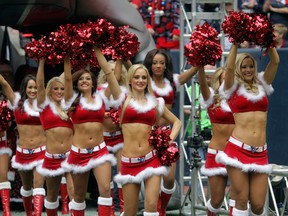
(90,150)
(62,156)
(141,159)
(112,133)
(30,151)
(253,149)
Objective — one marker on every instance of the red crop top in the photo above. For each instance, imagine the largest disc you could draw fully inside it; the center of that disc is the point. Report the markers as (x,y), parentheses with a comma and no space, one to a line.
(145,114)
(26,116)
(88,112)
(243,101)
(50,118)
(240,100)
(167,92)
(221,114)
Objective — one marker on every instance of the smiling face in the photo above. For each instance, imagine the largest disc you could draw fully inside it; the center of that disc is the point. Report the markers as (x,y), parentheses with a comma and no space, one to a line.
(247,69)
(158,65)
(56,91)
(85,82)
(139,80)
(31,89)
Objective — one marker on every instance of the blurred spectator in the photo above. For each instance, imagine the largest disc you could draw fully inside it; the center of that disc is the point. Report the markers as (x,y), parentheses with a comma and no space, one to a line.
(161,18)
(254,6)
(173,43)
(277,11)
(280,32)
(251,6)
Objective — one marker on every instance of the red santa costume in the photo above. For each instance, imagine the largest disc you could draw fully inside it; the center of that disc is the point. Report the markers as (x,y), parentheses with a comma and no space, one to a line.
(52,164)
(26,159)
(238,154)
(114,139)
(221,115)
(82,160)
(137,169)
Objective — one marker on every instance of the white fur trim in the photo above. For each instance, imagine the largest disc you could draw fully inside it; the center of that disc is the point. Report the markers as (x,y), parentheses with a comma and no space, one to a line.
(51,205)
(268,88)
(250,96)
(165,91)
(48,172)
(63,180)
(205,104)
(15,102)
(111,102)
(5,185)
(65,105)
(166,190)
(105,201)
(211,208)
(228,92)
(90,165)
(120,100)
(146,173)
(77,206)
(253,214)
(30,111)
(119,185)
(237,212)
(122,214)
(26,193)
(6,150)
(26,166)
(45,103)
(176,81)
(161,106)
(35,106)
(39,191)
(213,171)
(115,148)
(96,105)
(221,157)
(150,213)
(143,108)
(224,105)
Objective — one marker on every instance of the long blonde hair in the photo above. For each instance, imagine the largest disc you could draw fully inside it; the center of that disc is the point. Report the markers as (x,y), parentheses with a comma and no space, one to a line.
(130,74)
(102,77)
(62,114)
(215,83)
(253,87)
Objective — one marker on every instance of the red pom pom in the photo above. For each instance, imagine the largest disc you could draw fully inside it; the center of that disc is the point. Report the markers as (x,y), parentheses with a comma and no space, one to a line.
(254,28)
(114,114)
(160,139)
(203,48)
(6,115)
(237,26)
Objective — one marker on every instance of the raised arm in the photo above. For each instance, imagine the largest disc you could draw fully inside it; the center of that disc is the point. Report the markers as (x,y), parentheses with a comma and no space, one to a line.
(7,89)
(40,83)
(68,79)
(204,88)
(187,75)
(272,66)
(111,79)
(127,64)
(229,69)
